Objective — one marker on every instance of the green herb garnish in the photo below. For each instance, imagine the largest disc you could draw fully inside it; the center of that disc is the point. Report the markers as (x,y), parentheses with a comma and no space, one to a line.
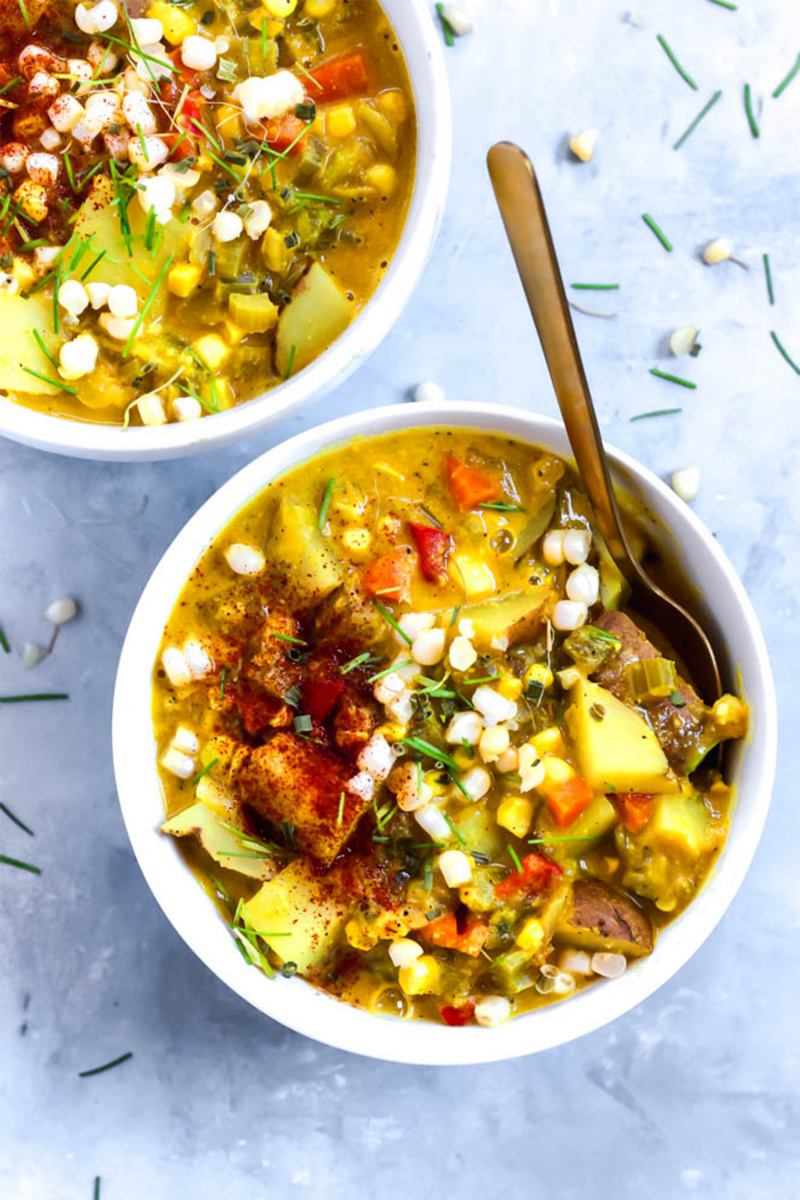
(768,274)
(4,643)
(782,86)
(7,86)
(503,507)
(204,771)
(423,747)
(226,70)
(222,676)
(726,4)
(515,859)
(96,1188)
(326,503)
(751,116)
(34,696)
(11,816)
(341,809)
(566,837)
(106,1066)
(454,615)
(407,662)
(784,351)
(683,74)
(672,378)
(677,700)
(358,661)
(290,362)
(662,237)
(285,637)
(303,723)
(656,412)
(595,287)
(691,128)
(447,28)
(41,344)
(455,832)
(387,616)
(147,305)
(23,866)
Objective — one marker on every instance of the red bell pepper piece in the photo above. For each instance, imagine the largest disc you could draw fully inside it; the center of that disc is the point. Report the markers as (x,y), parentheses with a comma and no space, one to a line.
(567,800)
(538,875)
(389,577)
(283,133)
(320,697)
(341,77)
(191,115)
(469,486)
(458,1014)
(434,547)
(634,809)
(184,74)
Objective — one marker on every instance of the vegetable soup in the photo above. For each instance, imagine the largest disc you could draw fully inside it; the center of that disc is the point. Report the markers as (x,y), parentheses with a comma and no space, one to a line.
(194,203)
(413,745)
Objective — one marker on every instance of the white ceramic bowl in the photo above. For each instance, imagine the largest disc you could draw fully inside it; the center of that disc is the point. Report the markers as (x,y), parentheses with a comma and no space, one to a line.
(421,42)
(295,1003)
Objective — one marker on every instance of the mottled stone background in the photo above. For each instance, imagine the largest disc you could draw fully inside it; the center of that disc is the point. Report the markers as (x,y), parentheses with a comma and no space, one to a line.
(694,1093)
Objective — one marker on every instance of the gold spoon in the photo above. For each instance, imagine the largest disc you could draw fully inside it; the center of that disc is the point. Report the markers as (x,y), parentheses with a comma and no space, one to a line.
(524,217)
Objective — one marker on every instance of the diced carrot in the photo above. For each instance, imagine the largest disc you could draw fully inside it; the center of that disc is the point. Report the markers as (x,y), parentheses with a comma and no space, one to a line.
(458,1014)
(434,546)
(467,936)
(567,800)
(469,486)
(180,146)
(284,133)
(634,809)
(389,577)
(537,876)
(341,77)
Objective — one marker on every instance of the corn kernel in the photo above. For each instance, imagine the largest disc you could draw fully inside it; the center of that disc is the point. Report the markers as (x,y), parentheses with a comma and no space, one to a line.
(340,121)
(531,935)
(23,272)
(382,178)
(392,102)
(228,121)
(549,741)
(359,937)
(515,814)
(274,251)
(556,771)
(176,24)
(393,731)
(280,8)
(212,350)
(510,687)
(421,977)
(314,9)
(538,673)
(357,542)
(184,278)
(32,199)
(463,760)
(472,575)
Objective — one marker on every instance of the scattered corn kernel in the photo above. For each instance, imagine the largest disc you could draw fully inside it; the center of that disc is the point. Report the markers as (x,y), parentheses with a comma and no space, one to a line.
(340,121)
(357,542)
(515,814)
(212,350)
(32,199)
(280,8)
(421,977)
(531,935)
(682,340)
(472,575)
(184,278)
(582,144)
(540,674)
(382,178)
(510,687)
(686,483)
(549,741)
(556,771)
(718,251)
(176,24)
(392,102)
(359,937)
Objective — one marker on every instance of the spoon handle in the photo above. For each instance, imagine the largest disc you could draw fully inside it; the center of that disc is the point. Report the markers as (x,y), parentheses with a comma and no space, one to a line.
(523,213)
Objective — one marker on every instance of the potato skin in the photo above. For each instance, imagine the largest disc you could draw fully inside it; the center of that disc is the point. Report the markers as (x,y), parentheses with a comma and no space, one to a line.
(601,918)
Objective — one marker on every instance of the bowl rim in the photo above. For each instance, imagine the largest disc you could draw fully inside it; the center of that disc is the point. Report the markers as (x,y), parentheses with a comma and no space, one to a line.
(339,1024)
(78,438)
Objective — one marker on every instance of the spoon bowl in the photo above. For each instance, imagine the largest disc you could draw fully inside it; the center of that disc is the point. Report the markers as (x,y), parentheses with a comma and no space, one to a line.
(522,209)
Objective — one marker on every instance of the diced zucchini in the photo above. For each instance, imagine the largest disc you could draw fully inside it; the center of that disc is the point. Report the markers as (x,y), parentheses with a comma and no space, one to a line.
(255,314)
(318,313)
(301,905)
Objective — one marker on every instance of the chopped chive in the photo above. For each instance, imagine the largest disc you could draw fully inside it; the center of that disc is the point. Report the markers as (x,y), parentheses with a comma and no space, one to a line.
(677,700)
(341,809)
(768,274)
(16,820)
(515,859)
(455,832)
(293,696)
(23,866)
(34,696)
(683,74)
(212,262)
(54,382)
(290,363)
(92,265)
(784,351)
(96,1195)
(567,837)
(481,679)
(222,676)
(26,247)
(726,4)
(326,503)
(748,108)
(354,662)
(24,12)
(662,237)
(142,143)
(226,70)
(656,412)
(502,507)
(407,662)
(784,83)
(387,616)
(41,344)
(285,637)
(423,747)
(595,287)
(447,28)
(4,642)
(150,228)
(56,289)
(303,723)
(454,615)
(672,378)
(7,86)
(147,306)
(209,766)
(264,37)
(691,128)
(115,1062)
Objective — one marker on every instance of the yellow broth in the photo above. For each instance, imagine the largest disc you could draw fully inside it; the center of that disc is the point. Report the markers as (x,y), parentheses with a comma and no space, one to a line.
(312,202)
(580,806)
